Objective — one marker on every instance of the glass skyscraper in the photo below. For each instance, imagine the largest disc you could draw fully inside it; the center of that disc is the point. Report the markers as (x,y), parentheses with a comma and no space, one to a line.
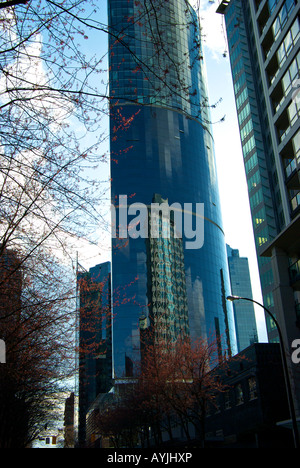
(162,153)
(263,43)
(264,55)
(244,315)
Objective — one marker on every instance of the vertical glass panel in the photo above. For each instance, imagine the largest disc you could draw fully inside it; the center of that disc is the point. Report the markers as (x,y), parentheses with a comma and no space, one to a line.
(272,5)
(295,29)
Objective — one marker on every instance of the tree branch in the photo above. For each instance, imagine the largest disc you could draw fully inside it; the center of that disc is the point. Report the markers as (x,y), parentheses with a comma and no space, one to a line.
(12,3)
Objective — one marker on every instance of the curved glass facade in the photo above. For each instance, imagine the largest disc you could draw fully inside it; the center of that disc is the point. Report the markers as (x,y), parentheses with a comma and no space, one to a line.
(162,152)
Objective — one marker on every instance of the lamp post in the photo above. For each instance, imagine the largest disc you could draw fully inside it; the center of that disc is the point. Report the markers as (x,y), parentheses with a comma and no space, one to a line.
(285,367)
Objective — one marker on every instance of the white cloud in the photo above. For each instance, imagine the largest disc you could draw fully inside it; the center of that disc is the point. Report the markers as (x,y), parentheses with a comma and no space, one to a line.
(26,82)
(213,30)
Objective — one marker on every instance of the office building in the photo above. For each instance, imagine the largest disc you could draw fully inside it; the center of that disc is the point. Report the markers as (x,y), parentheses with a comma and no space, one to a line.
(93,340)
(244,314)
(263,41)
(249,413)
(161,145)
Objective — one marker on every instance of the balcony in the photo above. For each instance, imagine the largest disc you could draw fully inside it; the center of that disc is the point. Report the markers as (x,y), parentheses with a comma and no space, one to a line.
(295,202)
(288,240)
(292,175)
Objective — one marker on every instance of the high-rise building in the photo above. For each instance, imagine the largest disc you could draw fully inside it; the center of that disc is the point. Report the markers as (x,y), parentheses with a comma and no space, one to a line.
(94,339)
(244,314)
(161,143)
(263,40)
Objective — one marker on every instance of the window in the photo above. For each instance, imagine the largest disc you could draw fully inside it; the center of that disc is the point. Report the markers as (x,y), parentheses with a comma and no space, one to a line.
(291,75)
(272,5)
(293,111)
(256,199)
(243,114)
(251,163)
(248,146)
(259,217)
(289,41)
(282,17)
(254,181)
(242,98)
(246,130)
(269,301)
(291,166)
(239,394)
(252,388)
(262,237)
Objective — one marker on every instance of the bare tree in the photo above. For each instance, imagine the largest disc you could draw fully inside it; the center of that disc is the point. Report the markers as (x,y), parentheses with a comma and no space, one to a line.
(49,200)
(175,387)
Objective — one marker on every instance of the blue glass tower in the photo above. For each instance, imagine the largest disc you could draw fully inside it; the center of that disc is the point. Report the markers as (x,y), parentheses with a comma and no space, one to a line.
(244,314)
(162,149)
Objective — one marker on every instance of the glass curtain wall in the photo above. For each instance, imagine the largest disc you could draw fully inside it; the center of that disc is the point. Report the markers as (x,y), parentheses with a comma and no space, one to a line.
(162,149)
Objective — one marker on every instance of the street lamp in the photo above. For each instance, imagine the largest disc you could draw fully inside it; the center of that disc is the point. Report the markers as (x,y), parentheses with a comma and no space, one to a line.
(284,363)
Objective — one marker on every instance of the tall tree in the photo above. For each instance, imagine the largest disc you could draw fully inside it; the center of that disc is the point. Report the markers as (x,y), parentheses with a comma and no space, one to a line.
(176,386)
(49,200)
(179,378)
